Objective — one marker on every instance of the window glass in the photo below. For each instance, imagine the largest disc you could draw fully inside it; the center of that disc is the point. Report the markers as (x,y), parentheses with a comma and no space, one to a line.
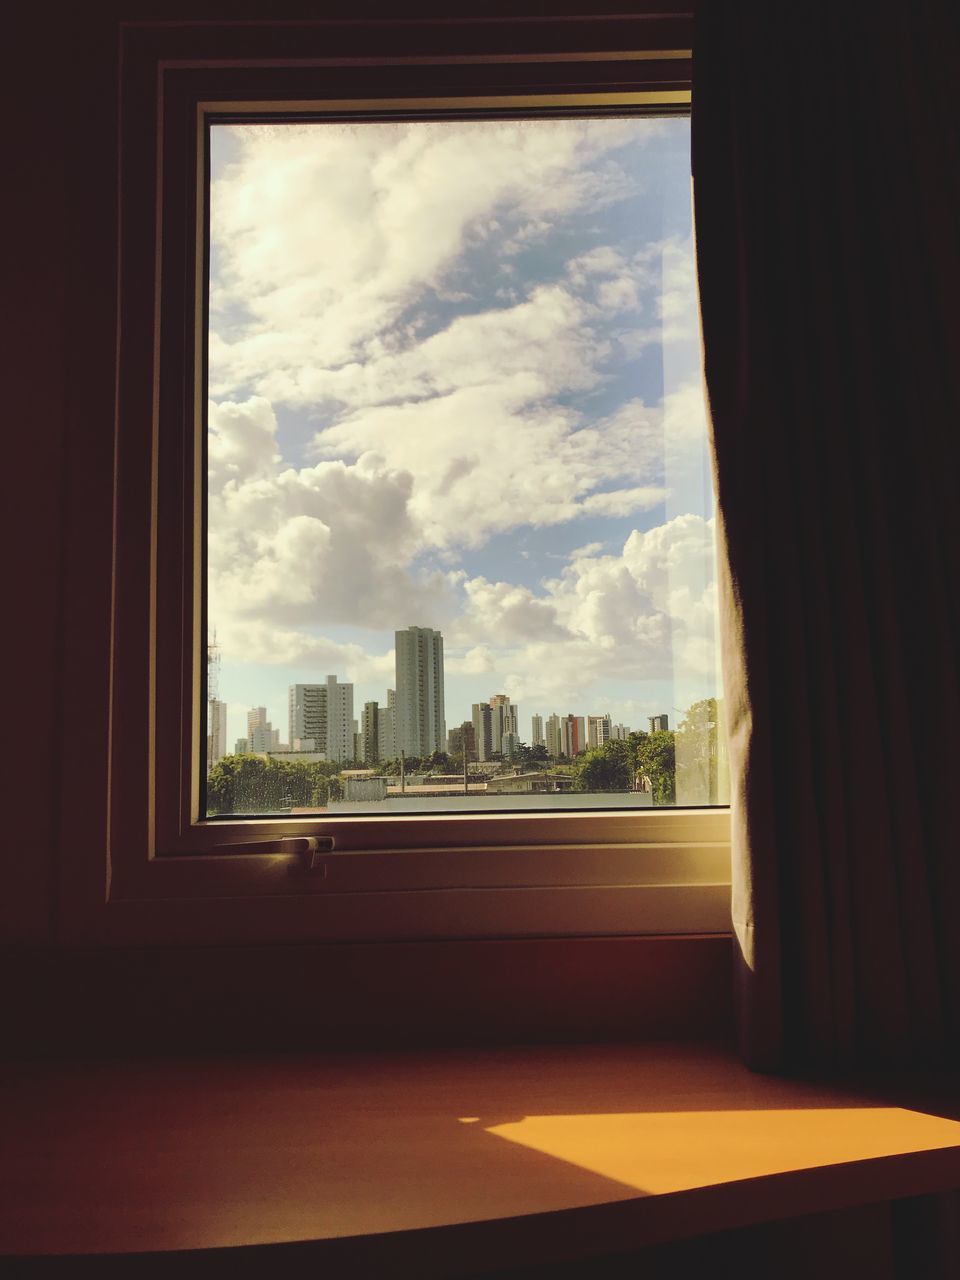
(460,521)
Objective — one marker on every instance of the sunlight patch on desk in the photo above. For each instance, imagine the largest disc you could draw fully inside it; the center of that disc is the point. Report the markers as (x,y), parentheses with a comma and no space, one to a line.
(661,1152)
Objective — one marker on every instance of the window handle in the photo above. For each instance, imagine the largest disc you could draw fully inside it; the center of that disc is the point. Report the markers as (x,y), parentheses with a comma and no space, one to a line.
(308,850)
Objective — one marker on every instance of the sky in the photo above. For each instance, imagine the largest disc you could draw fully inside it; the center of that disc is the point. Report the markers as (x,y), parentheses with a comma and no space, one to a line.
(454,381)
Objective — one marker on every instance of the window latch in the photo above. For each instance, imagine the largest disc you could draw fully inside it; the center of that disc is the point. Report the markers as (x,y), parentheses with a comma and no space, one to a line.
(310,854)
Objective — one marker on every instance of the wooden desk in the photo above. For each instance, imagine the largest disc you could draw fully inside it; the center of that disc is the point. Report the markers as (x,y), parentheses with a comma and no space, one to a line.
(438,1163)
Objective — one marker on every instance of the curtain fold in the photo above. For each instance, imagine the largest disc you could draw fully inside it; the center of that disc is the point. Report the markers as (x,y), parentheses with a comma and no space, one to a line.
(827,217)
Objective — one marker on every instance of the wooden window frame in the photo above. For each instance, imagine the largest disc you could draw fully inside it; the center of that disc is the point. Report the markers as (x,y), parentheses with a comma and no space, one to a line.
(161,872)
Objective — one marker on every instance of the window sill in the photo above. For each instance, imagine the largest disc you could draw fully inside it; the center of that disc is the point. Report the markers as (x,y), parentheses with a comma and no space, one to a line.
(441,1163)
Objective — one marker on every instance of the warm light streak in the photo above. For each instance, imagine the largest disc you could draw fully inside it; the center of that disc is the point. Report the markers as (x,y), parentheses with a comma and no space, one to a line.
(659,1152)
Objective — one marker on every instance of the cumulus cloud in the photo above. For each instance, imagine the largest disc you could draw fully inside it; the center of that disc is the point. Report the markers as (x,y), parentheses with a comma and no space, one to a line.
(264,642)
(491,459)
(324,236)
(445,408)
(646,613)
(332,542)
(504,614)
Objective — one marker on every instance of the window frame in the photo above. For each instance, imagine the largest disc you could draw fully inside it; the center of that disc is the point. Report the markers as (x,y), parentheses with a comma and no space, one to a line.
(163,872)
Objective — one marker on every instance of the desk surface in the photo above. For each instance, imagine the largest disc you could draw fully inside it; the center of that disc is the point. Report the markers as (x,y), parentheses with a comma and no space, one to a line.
(478,1157)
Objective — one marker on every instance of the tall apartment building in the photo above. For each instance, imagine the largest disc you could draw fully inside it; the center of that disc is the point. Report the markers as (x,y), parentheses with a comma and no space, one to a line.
(659,723)
(321,718)
(483,729)
(599,730)
(536,732)
(573,735)
(554,737)
(216,731)
(620,731)
(504,720)
(370,732)
(387,727)
(307,715)
(463,738)
(261,735)
(420,724)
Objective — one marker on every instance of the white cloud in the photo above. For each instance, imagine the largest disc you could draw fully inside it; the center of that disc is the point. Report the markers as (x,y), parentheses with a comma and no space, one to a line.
(647,613)
(241,441)
(323,236)
(490,459)
(263,642)
(428,442)
(504,614)
(332,542)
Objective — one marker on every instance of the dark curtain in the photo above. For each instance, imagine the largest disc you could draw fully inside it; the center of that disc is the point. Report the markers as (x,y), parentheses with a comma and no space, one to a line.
(827,214)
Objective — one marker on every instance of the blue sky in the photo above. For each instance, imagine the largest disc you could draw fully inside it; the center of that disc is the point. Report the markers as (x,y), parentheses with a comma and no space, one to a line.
(454,381)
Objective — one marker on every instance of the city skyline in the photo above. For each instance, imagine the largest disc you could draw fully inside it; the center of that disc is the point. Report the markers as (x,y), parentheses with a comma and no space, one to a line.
(321,719)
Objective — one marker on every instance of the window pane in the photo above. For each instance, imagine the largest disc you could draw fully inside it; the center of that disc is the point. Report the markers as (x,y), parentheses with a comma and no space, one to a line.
(461,537)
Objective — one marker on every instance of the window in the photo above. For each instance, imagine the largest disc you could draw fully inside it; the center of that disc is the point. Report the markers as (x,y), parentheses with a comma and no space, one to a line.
(168,870)
(454,376)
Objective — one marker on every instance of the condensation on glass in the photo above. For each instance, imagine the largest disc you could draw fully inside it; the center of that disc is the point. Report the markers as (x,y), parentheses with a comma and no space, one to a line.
(461,535)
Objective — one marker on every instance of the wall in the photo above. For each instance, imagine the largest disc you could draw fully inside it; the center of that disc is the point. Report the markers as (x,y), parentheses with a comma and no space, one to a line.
(60,282)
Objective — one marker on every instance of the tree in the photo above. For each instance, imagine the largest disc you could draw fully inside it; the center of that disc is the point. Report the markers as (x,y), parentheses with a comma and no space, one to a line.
(698,753)
(252,784)
(655,758)
(605,768)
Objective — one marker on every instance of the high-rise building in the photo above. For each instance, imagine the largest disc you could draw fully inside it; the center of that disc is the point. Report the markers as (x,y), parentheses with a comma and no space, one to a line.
(536,732)
(461,738)
(370,732)
(322,715)
(307,712)
(620,731)
(599,730)
(216,731)
(503,720)
(483,729)
(420,725)
(659,723)
(387,727)
(261,735)
(572,735)
(554,737)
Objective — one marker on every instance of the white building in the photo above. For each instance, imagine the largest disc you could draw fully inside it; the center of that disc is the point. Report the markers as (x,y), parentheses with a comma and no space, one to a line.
(216,731)
(599,730)
(503,721)
(322,714)
(536,732)
(554,736)
(387,727)
(261,735)
(420,720)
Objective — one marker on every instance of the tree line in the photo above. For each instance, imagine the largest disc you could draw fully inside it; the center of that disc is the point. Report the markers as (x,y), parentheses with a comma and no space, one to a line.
(664,762)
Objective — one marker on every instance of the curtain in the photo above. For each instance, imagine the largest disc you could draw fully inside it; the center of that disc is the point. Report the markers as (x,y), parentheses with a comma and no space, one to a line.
(827,217)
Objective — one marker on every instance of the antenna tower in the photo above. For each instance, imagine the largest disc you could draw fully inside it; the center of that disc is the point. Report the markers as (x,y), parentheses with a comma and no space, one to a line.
(213,668)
